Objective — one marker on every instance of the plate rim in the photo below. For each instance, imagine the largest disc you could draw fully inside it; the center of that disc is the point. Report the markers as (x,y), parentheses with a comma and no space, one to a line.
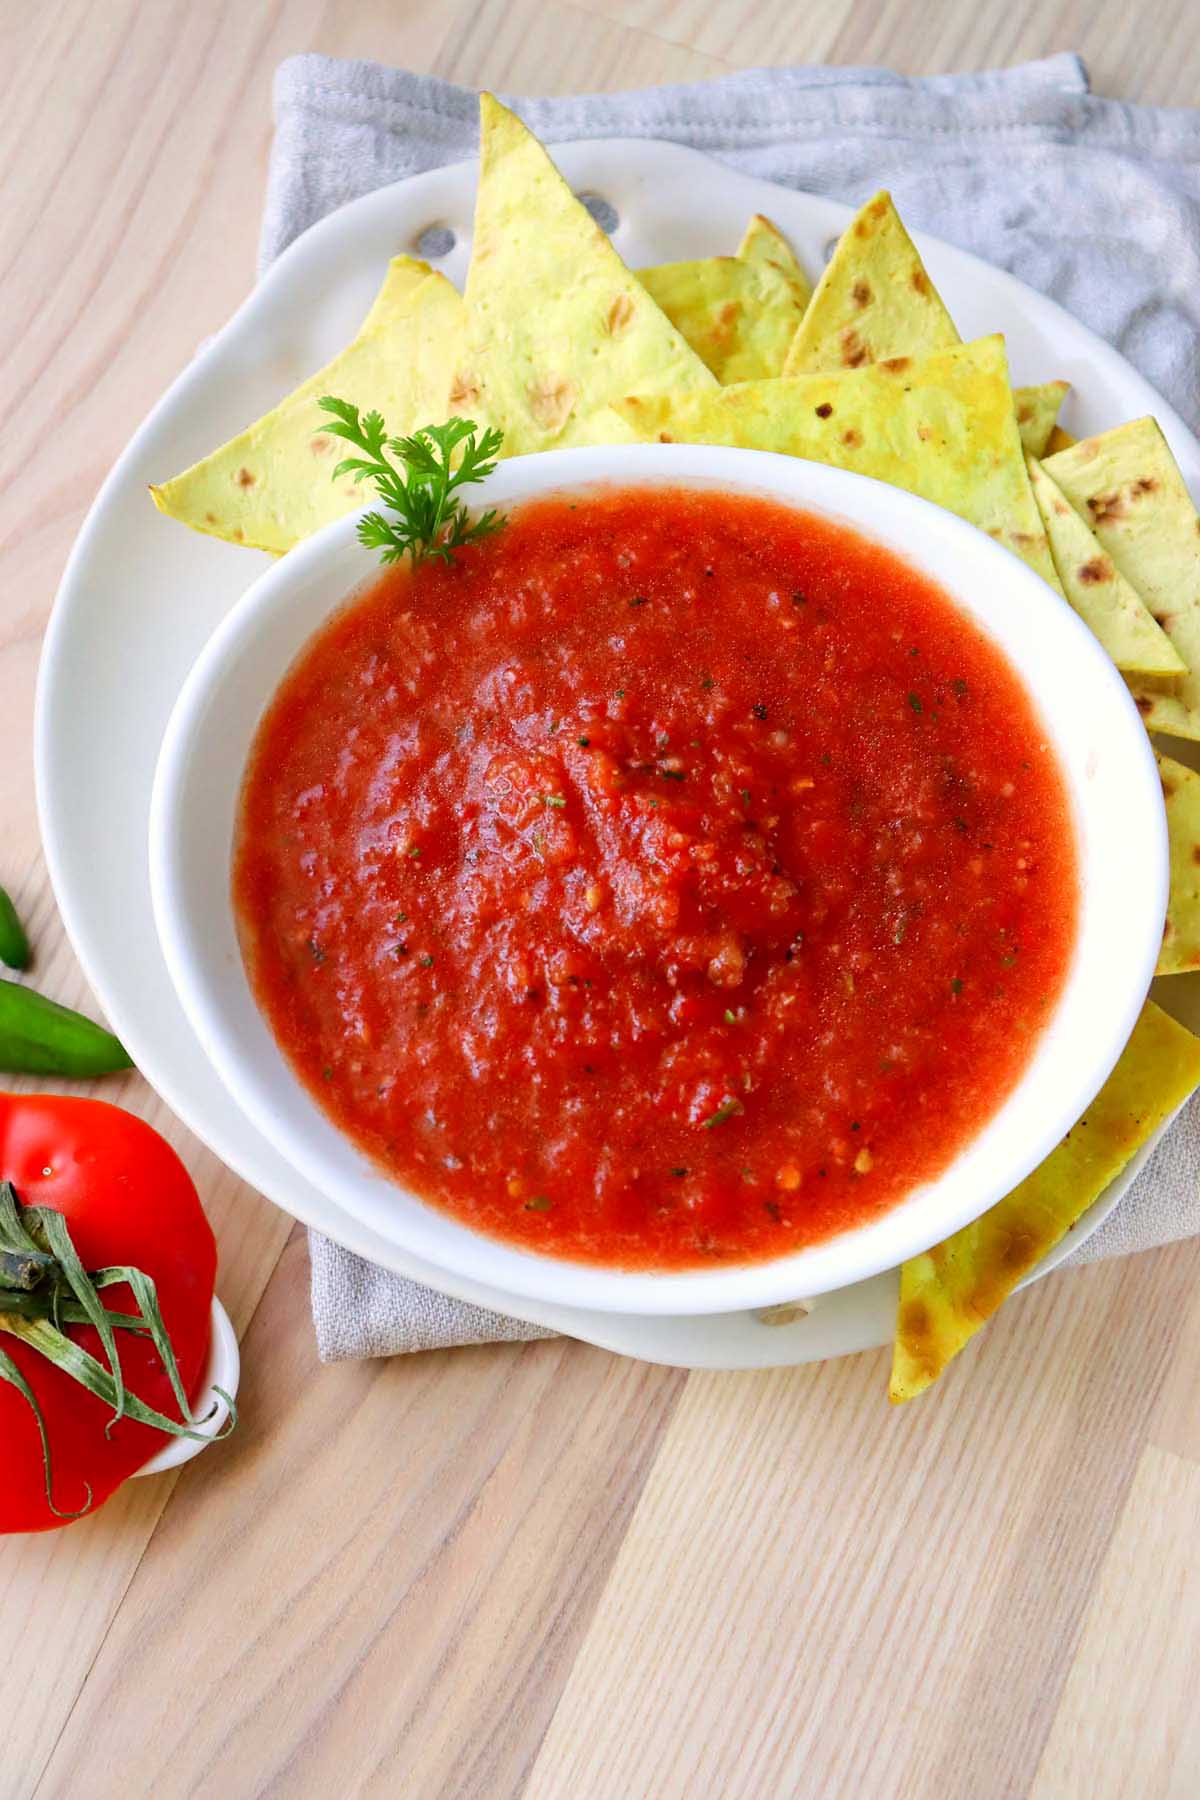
(575,1321)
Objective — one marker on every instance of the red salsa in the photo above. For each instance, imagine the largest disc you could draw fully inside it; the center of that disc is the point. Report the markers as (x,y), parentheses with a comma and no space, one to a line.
(674,878)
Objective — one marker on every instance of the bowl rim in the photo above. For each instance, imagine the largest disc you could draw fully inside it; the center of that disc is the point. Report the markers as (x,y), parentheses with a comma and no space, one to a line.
(913,528)
(222,1371)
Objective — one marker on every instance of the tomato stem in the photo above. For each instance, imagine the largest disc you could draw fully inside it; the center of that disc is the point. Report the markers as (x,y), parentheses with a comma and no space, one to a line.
(24,1269)
(11,1373)
(44,1285)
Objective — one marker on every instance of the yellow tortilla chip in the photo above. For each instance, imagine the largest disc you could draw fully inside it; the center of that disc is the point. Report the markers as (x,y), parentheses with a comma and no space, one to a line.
(1181,937)
(554,324)
(876,300)
(873,301)
(941,426)
(765,246)
(1059,440)
(269,486)
(950,1291)
(1037,413)
(1096,588)
(738,317)
(1127,485)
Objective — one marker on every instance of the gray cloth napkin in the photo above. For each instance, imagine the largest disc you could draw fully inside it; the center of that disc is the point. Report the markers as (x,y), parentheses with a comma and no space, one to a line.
(1093,201)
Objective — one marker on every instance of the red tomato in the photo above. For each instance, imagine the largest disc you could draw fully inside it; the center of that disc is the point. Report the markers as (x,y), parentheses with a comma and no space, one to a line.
(127,1200)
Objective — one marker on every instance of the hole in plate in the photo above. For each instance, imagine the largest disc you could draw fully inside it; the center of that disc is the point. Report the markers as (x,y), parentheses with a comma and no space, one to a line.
(603,211)
(435,241)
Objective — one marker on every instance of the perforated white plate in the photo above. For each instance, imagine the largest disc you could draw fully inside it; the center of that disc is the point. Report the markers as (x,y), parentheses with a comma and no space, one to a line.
(141,595)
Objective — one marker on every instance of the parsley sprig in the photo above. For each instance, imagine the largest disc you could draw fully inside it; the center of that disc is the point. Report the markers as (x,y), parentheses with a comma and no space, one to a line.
(416,479)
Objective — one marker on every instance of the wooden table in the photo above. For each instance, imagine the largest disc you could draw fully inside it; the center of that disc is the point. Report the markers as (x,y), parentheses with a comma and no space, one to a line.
(540,1570)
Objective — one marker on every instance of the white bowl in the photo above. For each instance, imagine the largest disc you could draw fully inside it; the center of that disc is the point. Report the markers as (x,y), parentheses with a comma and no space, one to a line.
(222,1371)
(1088,716)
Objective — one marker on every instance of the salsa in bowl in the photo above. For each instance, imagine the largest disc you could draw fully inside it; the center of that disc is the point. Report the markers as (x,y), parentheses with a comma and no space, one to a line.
(728,880)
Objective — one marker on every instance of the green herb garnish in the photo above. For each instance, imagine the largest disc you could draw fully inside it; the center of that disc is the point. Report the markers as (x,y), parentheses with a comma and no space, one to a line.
(727,1109)
(419,485)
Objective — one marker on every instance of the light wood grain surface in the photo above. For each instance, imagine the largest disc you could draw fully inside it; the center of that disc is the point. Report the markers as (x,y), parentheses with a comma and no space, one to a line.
(539,1570)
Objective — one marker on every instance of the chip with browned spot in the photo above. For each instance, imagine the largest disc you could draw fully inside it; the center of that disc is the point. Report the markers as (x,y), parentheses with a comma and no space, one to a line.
(941,426)
(866,305)
(1129,486)
(950,1291)
(269,486)
(738,316)
(876,302)
(1037,413)
(554,325)
(1096,588)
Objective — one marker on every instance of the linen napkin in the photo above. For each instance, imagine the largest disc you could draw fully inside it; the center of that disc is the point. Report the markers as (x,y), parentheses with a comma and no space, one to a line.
(1093,201)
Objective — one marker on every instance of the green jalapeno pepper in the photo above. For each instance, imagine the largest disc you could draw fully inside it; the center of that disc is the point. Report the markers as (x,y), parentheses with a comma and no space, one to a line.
(39,1037)
(14,945)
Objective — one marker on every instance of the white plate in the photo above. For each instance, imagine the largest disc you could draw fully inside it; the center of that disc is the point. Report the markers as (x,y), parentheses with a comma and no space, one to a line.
(141,594)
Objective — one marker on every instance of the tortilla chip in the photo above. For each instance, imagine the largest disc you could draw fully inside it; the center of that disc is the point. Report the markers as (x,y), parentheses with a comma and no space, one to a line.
(554,324)
(1181,936)
(738,317)
(1096,588)
(874,300)
(269,486)
(950,1291)
(1128,486)
(1059,440)
(1037,412)
(765,246)
(941,426)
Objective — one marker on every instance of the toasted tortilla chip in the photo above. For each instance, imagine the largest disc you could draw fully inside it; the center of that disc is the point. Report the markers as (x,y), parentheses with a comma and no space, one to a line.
(1037,413)
(1128,486)
(1059,440)
(876,300)
(950,1291)
(738,317)
(765,246)
(554,324)
(269,486)
(941,426)
(1181,936)
(1096,588)
(873,301)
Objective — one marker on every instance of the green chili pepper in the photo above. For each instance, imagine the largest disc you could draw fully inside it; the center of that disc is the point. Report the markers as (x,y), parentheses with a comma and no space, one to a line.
(39,1037)
(14,945)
